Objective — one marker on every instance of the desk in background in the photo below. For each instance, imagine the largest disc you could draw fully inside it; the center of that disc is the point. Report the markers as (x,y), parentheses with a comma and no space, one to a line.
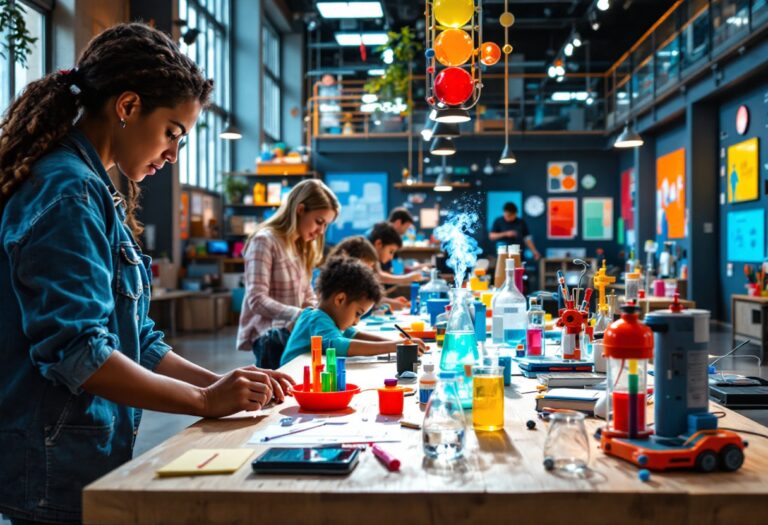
(750,320)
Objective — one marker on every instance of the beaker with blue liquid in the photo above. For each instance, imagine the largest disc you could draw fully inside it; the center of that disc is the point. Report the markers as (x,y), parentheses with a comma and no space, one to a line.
(460,345)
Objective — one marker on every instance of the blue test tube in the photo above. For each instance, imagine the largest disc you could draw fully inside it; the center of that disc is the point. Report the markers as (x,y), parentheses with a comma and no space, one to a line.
(415,298)
(341,374)
(480,333)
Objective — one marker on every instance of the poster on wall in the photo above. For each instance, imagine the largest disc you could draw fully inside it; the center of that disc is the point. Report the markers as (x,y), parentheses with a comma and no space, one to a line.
(562,177)
(363,199)
(746,235)
(743,168)
(562,218)
(495,205)
(597,218)
(671,215)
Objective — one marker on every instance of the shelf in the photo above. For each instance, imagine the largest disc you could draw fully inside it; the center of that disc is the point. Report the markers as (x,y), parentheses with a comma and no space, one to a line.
(429,185)
(268,175)
(249,206)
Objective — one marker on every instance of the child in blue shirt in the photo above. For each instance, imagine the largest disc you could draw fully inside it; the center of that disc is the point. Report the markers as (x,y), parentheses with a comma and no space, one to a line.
(347,289)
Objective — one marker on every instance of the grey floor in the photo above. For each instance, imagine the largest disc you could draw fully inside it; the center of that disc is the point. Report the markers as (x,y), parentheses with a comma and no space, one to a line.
(217,352)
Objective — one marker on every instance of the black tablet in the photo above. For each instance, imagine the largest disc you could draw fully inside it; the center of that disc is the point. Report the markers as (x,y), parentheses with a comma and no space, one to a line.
(334,460)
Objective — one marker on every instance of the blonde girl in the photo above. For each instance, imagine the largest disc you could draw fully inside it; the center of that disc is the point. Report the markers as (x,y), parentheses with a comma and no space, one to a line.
(279,259)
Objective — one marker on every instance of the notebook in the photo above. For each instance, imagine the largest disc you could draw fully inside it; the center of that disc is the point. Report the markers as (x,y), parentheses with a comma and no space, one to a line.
(203,461)
(581,399)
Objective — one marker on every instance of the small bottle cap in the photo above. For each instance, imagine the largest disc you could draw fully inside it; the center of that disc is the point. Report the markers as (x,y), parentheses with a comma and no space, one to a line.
(447,375)
(429,368)
(390,382)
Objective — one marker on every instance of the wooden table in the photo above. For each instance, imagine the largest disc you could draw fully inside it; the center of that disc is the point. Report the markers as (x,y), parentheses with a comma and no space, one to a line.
(750,320)
(650,304)
(501,480)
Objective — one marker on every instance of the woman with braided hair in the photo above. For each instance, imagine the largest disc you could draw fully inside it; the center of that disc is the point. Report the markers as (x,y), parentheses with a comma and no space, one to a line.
(80,358)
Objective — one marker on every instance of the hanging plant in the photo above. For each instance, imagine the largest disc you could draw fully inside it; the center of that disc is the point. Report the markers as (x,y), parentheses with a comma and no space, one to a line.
(17,37)
(397,75)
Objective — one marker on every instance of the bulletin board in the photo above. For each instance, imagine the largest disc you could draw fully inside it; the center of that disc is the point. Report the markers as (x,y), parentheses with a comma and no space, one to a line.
(495,205)
(562,220)
(671,213)
(597,217)
(363,198)
(746,236)
(743,168)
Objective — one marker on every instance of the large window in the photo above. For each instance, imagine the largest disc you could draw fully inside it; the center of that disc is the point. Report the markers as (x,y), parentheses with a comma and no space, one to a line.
(206,156)
(270,106)
(14,76)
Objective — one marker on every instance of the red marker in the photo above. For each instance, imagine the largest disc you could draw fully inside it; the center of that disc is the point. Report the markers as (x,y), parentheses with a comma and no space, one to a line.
(391,462)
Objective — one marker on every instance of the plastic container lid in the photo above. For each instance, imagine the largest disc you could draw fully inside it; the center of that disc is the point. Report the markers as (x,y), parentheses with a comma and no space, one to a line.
(390,382)
(633,275)
(514,249)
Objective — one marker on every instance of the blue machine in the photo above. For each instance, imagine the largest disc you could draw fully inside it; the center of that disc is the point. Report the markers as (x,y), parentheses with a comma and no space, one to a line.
(681,385)
(480,326)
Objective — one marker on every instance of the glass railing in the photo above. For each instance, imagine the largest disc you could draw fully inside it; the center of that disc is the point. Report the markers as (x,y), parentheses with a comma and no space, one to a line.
(682,42)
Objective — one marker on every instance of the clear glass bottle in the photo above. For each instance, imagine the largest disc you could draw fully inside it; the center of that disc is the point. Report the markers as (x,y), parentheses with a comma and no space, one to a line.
(632,283)
(444,427)
(436,288)
(535,334)
(460,346)
(510,319)
(501,257)
(441,323)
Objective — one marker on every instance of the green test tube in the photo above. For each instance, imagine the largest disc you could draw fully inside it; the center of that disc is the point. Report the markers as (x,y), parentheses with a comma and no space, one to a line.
(332,373)
(325,380)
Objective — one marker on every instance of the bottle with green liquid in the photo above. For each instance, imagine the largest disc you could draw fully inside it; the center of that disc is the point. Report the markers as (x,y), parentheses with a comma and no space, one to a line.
(460,345)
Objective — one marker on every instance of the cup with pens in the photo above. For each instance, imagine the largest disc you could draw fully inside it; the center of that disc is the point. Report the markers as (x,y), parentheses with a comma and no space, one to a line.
(756,280)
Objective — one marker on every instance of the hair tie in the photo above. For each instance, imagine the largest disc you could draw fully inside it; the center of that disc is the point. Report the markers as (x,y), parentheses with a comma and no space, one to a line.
(72,78)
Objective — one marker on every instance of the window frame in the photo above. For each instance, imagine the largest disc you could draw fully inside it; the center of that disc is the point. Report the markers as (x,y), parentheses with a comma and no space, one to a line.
(276,78)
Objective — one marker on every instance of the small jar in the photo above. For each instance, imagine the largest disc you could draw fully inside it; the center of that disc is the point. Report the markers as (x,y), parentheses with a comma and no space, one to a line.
(391,398)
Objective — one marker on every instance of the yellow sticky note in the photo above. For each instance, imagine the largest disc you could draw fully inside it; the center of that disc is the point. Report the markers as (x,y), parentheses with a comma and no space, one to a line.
(202,461)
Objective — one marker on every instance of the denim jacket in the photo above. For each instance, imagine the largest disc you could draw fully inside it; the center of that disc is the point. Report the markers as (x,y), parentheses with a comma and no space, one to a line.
(74,287)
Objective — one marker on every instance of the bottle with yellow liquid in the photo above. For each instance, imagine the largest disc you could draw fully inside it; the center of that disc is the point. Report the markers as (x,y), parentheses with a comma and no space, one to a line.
(488,398)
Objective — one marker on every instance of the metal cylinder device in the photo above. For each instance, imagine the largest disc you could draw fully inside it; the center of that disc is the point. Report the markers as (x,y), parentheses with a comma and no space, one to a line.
(681,339)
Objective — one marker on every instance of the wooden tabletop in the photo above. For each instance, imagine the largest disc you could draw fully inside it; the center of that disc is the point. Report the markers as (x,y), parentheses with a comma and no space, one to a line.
(500,480)
(750,298)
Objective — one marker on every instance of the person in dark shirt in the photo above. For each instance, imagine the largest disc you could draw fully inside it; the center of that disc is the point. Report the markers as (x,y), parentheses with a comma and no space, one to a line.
(511,229)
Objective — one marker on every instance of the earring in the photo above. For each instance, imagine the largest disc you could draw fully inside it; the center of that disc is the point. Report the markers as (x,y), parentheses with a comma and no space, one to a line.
(123,123)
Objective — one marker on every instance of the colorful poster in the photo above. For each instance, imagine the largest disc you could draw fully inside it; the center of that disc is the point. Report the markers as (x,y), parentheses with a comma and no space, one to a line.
(562,177)
(743,165)
(562,220)
(597,222)
(671,215)
(746,236)
(495,205)
(363,198)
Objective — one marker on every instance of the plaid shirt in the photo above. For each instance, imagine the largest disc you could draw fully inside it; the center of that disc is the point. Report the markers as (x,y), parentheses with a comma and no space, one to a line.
(276,288)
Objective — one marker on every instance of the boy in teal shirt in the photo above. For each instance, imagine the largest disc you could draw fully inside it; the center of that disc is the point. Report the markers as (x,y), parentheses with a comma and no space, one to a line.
(347,290)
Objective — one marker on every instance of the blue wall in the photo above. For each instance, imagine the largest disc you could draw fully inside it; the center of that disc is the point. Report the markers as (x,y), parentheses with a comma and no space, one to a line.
(527,176)
(756,100)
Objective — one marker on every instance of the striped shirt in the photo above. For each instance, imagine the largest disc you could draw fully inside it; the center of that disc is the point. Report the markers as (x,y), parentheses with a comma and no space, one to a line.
(276,288)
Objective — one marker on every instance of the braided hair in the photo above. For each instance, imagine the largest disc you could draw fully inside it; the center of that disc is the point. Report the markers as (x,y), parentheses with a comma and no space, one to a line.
(126,57)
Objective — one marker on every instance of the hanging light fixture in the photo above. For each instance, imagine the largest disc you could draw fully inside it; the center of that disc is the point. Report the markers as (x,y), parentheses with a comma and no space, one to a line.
(452,115)
(445,129)
(231,132)
(628,138)
(443,182)
(442,146)
(506,19)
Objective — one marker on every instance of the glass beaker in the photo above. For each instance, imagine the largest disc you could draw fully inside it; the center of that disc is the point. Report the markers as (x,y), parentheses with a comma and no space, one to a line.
(488,398)
(566,448)
(460,345)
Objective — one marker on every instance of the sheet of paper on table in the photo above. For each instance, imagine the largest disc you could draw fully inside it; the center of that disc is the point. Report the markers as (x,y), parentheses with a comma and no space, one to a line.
(332,434)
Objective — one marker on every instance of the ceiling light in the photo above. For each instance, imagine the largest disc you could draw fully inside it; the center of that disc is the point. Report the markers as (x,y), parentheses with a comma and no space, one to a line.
(559,71)
(442,146)
(231,132)
(576,40)
(426,134)
(451,116)
(552,72)
(443,182)
(603,5)
(355,39)
(376,72)
(507,156)
(628,138)
(568,49)
(388,56)
(350,9)
(445,129)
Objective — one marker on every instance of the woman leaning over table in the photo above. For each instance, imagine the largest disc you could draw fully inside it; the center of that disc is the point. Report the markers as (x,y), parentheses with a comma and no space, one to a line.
(279,259)
(79,356)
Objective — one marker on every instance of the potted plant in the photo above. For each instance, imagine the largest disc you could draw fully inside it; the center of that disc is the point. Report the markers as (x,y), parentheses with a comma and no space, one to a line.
(397,75)
(234,188)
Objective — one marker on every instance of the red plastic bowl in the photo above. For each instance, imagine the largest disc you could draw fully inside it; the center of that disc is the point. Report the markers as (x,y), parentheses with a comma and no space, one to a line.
(324,401)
